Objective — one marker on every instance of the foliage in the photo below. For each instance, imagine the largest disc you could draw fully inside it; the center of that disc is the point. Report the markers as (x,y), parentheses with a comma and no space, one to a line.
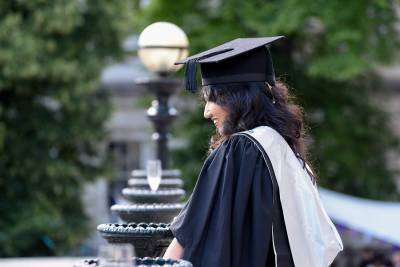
(329,55)
(52,116)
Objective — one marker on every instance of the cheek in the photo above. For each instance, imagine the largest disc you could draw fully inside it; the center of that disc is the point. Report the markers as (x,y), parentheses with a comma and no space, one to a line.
(223,114)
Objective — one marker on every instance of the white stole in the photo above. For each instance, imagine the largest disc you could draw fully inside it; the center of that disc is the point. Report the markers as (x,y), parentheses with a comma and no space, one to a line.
(313,238)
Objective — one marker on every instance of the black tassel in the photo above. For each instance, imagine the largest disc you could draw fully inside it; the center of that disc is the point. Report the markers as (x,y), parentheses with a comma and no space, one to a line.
(191,69)
(190,75)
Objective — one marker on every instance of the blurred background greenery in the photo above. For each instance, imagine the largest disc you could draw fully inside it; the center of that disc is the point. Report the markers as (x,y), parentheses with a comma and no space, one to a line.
(53,112)
(52,116)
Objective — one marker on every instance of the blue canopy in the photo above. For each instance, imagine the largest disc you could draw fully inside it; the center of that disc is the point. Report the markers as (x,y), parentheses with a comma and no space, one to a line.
(380,219)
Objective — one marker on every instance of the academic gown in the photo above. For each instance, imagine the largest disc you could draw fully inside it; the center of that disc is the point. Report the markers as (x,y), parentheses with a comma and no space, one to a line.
(228,219)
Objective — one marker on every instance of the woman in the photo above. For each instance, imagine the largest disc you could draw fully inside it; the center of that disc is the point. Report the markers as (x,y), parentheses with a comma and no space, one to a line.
(236,215)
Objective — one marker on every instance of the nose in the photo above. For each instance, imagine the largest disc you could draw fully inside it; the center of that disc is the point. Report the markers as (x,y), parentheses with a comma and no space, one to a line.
(207,113)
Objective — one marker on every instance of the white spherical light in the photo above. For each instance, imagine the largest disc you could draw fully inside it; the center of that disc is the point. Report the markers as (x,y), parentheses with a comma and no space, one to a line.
(161,44)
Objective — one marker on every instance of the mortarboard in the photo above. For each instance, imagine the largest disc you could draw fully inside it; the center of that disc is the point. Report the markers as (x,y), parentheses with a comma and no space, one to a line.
(240,60)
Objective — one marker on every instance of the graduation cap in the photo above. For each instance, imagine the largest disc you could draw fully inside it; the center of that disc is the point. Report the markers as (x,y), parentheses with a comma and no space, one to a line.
(240,60)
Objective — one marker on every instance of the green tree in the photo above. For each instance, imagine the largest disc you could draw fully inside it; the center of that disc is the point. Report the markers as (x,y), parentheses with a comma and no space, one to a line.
(52,116)
(328,58)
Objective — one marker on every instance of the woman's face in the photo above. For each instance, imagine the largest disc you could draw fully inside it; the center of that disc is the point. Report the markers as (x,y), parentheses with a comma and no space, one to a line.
(216,113)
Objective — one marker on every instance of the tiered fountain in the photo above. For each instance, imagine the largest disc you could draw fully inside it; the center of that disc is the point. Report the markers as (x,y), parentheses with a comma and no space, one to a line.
(146,219)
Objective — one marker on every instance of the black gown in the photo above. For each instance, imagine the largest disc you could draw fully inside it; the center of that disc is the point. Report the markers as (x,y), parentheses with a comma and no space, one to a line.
(227,221)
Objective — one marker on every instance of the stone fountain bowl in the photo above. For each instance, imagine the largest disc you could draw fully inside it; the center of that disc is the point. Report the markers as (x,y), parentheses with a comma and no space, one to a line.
(156,213)
(144,262)
(148,196)
(149,239)
(140,183)
(172,173)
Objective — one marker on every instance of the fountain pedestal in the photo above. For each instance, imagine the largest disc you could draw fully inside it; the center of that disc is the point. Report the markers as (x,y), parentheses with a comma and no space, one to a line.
(141,262)
(149,239)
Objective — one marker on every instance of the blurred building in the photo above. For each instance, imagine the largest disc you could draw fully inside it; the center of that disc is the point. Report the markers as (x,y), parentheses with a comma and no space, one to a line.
(129,144)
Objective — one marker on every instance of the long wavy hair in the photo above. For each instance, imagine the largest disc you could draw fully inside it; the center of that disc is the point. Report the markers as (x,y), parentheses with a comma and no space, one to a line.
(253,104)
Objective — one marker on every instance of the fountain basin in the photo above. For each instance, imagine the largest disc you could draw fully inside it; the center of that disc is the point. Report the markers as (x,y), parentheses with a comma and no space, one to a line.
(149,239)
(140,183)
(147,261)
(148,196)
(170,173)
(156,213)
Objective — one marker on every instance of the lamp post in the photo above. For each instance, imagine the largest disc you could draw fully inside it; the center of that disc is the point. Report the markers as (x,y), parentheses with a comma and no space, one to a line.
(161,44)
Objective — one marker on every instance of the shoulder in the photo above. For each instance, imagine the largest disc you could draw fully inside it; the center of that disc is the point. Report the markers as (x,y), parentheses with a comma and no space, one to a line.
(239,139)
(238,143)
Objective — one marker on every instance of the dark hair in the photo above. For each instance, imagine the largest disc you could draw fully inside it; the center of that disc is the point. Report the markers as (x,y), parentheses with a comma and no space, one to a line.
(253,104)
